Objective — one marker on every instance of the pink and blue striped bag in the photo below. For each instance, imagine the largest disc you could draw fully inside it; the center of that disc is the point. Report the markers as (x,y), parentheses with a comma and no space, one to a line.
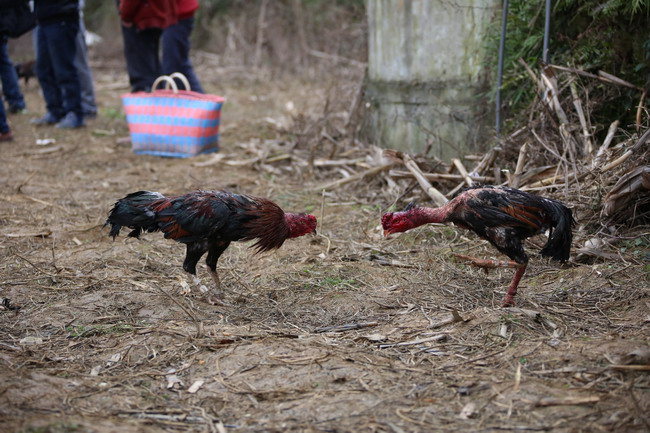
(171,122)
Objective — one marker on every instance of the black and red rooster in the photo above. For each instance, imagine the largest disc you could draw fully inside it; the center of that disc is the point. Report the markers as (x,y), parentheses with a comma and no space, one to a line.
(208,221)
(504,217)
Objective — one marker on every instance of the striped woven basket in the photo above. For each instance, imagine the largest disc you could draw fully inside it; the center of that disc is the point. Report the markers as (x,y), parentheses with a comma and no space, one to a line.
(172,122)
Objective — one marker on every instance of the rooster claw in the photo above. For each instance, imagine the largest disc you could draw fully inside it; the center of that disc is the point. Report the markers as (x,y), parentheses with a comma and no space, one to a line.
(216,300)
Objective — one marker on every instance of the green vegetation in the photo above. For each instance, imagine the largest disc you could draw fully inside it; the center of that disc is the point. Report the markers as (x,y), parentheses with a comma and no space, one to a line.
(591,35)
(81,331)
(639,247)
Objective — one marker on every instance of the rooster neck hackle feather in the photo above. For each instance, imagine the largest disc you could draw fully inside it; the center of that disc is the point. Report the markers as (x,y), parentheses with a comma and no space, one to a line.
(267,224)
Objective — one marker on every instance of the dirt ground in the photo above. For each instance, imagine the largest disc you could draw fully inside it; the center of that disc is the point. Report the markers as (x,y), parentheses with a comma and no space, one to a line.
(340,332)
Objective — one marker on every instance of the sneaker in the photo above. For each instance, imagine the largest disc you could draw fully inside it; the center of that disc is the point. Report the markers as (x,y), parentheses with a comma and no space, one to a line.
(70,120)
(48,119)
(14,109)
(6,136)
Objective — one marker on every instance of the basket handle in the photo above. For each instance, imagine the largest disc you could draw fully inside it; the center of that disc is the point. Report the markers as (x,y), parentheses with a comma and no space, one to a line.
(182,78)
(169,82)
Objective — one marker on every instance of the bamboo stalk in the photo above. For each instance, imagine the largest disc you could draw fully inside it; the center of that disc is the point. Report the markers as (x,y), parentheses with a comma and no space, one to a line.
(355,177)
(603,147)
(438,198)
(614,79)
(463,172)
(521,161)
(588,146)
(602,76)
(639,110)
(440,176)
(621,159)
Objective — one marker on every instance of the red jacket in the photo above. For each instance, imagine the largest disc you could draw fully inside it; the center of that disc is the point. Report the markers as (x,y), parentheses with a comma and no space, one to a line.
(186,8)
(145,14)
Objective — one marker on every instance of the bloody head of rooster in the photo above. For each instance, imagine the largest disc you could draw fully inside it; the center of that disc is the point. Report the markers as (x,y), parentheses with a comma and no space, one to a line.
(300,224)
(397,222)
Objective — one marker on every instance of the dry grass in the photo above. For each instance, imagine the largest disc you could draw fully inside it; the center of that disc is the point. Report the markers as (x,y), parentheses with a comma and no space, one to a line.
(102,341)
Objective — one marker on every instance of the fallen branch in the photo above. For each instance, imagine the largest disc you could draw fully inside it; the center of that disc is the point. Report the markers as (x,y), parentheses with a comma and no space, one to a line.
(455,318)
(620,160)
(602,76)
(438,198)
(600,154)
(438,337)
(567,401)
(440,176)
(463,172)
(586,135)
(354,177)
(521,161)
(630,367)
(347,327)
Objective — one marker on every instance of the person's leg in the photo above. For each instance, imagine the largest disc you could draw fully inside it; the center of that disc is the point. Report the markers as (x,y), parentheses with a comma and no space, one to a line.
(9,77)
(62,47)
(176,52)
(46,77)
(88,104)
(141,54)
(5,131)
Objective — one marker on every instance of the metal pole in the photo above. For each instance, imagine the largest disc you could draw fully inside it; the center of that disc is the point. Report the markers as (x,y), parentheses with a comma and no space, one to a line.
(502,49)
(547,32)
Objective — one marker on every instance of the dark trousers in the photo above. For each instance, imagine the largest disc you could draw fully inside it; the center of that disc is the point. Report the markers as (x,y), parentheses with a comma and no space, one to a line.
(176,52)
(4,126)
(55,67)
(141,54)
(9,77)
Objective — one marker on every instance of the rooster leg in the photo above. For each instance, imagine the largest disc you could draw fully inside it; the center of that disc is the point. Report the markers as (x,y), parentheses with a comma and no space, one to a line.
(214,252)
(194,252)
(509,300)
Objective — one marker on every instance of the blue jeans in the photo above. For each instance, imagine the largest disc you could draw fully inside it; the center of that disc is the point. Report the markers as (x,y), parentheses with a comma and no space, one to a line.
(55,67)
(9,77)
(88,104)
(141,55)
(176,52)
(4,127)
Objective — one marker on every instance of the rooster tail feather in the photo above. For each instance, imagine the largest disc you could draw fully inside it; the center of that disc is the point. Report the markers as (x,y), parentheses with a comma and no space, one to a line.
(558,246)
(134,211)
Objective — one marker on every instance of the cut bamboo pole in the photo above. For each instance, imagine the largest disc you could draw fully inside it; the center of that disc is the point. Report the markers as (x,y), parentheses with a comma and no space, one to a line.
(587,144)
(438,198)
(521,161)
(639,110)
(355,177)
(621,159)
(602,76)
(600,154)
(440,176)
(463,172)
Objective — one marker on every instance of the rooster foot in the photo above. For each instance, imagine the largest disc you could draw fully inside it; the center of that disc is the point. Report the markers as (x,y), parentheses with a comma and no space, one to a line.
(185,287)
(216,299)
(508,302)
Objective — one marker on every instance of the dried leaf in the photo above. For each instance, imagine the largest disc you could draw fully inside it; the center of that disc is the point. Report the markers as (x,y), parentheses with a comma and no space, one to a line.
(174,381)
(29,341)
(195,386)
(468,411)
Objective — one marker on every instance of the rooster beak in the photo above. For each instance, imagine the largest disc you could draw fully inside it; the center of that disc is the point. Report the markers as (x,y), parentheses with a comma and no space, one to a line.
(386,233)
(315,232)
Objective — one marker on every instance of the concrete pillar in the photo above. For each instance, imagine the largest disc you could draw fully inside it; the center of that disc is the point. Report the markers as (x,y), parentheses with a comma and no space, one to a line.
(425,75)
